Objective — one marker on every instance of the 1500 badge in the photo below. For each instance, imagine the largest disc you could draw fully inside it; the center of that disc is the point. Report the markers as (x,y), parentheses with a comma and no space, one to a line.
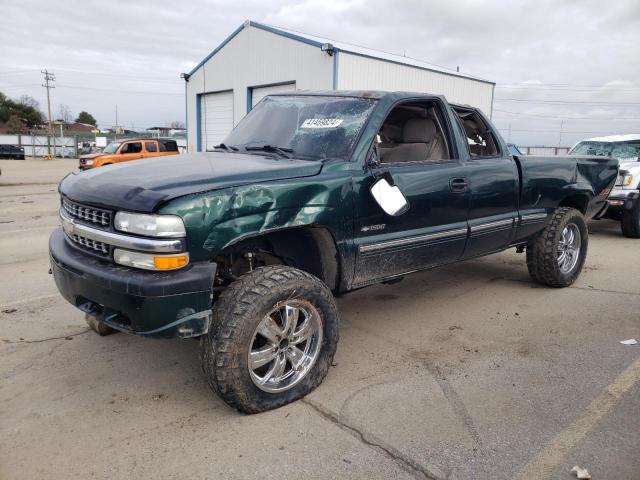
(371,228)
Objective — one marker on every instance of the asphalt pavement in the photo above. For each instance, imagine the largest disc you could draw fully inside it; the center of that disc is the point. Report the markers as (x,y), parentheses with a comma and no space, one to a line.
(471,371)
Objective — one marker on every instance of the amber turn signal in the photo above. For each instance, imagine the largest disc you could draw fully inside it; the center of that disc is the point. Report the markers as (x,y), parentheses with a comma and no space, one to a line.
(170,263)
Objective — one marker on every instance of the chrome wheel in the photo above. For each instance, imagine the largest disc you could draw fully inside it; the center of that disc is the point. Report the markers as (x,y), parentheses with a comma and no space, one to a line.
(569,248)
(285,346)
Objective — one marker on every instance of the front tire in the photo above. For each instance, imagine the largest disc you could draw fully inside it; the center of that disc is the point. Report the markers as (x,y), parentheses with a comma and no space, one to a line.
(631,221)
(556,255)
(273,338)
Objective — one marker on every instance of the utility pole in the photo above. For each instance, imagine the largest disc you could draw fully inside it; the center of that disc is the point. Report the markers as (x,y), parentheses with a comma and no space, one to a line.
(49,78)
(116,129)
(561,127)
(509,136)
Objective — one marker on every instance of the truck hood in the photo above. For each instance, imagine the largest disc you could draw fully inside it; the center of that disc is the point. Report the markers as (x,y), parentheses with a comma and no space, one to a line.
(629,164)
(143,185)
(90,156)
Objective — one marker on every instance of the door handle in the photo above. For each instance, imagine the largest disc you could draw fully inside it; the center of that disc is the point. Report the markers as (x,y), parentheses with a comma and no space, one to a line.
(458,184)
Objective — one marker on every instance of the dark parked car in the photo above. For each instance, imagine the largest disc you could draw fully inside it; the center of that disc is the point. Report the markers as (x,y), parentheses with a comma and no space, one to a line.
(12,151)
(311,194)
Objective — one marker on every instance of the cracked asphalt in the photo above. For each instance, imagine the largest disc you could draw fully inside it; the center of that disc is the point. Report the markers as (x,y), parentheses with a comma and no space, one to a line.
(467,372)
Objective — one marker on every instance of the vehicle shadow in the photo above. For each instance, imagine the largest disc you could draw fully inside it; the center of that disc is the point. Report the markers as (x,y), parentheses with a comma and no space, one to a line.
(604,227)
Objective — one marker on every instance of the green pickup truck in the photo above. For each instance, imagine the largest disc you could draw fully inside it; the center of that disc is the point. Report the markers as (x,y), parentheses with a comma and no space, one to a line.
(311,195)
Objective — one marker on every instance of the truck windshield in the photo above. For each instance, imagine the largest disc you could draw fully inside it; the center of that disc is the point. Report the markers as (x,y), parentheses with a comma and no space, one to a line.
(620,150)
(309,127)
(112,147)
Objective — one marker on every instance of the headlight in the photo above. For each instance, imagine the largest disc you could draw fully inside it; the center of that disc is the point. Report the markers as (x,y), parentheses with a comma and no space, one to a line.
(627,180)
(88,162)
(150,225)
(150,261)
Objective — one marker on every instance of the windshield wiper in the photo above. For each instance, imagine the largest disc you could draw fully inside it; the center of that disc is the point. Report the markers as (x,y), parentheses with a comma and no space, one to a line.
(228,148)
(270,148)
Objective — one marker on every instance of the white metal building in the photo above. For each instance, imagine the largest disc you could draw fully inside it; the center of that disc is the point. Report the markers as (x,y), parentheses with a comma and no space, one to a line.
(259,59)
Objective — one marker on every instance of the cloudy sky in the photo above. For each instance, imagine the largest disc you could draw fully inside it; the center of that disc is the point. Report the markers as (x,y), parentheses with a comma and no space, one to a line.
(570,66)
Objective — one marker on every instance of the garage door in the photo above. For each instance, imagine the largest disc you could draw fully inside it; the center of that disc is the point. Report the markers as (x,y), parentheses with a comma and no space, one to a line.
(258,93)
(216,110)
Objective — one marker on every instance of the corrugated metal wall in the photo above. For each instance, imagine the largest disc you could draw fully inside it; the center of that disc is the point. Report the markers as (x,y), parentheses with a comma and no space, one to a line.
(358,73)
(254,58)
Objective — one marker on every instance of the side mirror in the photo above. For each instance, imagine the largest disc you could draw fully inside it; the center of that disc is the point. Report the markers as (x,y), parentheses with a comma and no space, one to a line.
(389,197)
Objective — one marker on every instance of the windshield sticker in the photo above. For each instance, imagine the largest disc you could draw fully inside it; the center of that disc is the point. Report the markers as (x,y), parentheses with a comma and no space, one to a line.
(321,123)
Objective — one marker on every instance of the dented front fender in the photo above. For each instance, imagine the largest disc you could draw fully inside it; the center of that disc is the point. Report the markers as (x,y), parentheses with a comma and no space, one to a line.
(217,219)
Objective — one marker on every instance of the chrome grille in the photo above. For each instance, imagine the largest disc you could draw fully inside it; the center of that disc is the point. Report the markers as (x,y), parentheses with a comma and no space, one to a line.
(93,245)
(87,214)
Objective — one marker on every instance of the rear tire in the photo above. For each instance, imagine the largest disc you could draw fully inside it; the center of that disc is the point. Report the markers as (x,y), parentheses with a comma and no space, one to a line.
(99,327)
(241,332)
(631,222)
(556,255)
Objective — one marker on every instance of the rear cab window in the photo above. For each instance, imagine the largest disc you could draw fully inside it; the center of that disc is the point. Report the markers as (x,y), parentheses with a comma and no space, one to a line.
(168,146)
(481,140)
(151,147)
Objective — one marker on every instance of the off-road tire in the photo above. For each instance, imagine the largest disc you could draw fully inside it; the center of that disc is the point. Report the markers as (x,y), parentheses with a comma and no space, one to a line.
(542,250)
(236,315)
(631,222)
(99,327)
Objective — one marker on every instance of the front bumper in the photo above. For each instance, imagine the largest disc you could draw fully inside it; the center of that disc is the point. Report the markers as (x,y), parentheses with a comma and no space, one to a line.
(156,304)
(620,200)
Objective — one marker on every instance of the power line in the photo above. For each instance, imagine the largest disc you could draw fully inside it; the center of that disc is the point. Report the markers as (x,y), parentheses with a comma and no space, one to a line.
(118,90)
(562,117)
(566,102)
(562,85)
(17,72)
(576,88)
(148,78)
(563,132)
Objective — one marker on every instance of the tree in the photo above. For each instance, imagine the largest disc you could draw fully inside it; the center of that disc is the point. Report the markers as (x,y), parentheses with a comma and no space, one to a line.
(26,112)
(15,125)
(86,117)
(176,124)
(29,101)
(64,113)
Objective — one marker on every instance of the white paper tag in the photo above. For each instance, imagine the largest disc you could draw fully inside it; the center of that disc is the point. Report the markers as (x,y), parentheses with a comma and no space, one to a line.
(321,123)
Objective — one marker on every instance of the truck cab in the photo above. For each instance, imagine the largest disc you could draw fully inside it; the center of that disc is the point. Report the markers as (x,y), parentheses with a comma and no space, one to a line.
(127,150)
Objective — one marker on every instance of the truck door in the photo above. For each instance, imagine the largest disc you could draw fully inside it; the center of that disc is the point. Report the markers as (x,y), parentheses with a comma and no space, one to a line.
(493,183)
(130,151)
(413,146)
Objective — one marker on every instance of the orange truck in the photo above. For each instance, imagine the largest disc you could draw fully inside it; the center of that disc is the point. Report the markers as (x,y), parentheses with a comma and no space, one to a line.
(128,150)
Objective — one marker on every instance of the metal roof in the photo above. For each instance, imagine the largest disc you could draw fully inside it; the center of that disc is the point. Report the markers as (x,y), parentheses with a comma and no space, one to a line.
(342,47)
